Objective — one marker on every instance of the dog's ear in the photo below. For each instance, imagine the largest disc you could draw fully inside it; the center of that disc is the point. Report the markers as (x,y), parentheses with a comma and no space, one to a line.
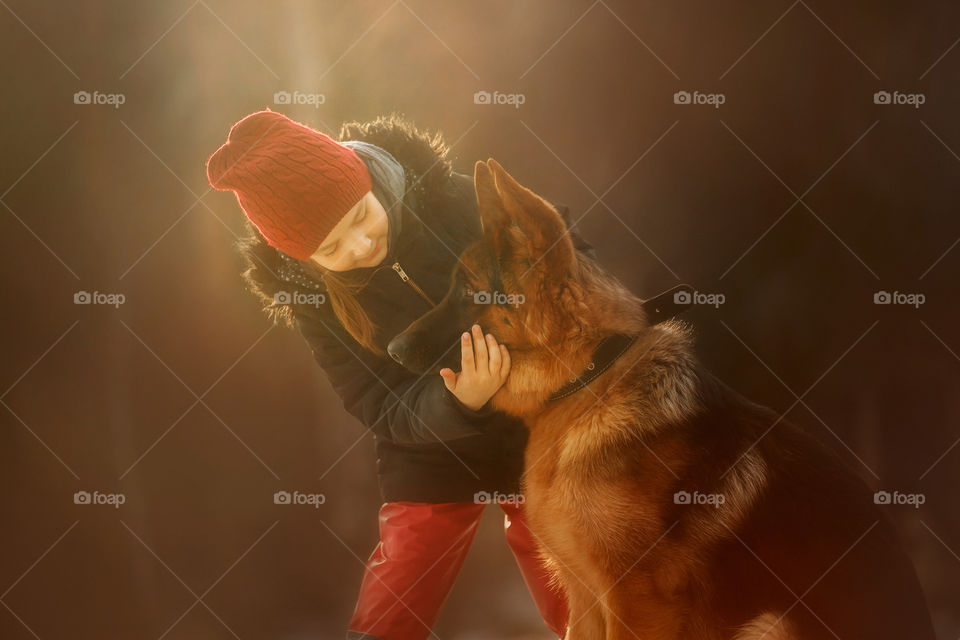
(543,228)
(493,216)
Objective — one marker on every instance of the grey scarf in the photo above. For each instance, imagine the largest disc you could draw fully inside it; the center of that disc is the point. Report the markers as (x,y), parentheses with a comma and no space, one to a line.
(389,181)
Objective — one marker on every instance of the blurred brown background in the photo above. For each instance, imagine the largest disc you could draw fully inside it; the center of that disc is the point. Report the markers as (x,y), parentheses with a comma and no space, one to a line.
(798,199)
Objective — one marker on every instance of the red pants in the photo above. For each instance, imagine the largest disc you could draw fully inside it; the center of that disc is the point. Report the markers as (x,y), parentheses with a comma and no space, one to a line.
(422,547)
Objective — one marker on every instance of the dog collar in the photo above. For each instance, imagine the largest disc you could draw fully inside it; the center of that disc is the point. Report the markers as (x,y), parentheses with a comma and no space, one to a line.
(659,308)
(606,353)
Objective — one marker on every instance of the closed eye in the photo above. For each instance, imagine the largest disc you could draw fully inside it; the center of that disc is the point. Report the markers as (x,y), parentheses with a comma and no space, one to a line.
(359,218)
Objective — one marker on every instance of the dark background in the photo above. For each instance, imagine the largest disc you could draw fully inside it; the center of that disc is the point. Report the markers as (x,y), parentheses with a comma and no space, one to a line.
(797,199)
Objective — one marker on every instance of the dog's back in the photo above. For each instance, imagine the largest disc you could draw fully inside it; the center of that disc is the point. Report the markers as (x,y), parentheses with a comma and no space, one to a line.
(813,546)
(714,519)
(767,531)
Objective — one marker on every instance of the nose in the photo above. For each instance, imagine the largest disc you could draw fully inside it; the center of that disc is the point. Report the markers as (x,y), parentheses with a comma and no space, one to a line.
(398,348)
(362,245)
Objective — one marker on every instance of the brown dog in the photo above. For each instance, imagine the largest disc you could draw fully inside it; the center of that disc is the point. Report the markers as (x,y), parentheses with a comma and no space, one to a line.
(664,502)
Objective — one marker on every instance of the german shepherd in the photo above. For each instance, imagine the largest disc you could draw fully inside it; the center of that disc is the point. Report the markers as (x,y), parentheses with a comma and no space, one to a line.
(666,505)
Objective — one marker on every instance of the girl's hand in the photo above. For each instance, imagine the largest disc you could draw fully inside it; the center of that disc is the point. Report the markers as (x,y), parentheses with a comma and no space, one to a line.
(484,368)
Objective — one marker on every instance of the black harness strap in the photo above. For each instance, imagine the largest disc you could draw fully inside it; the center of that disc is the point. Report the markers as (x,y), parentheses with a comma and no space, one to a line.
(659,308)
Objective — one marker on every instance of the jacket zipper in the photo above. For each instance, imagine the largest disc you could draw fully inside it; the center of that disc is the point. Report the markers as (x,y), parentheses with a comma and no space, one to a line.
(403,276)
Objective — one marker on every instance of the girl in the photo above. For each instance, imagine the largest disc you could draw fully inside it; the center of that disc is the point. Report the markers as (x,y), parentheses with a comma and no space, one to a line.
(349,242)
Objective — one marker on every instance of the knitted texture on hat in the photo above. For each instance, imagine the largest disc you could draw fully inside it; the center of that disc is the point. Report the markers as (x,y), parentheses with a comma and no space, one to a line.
(293,183)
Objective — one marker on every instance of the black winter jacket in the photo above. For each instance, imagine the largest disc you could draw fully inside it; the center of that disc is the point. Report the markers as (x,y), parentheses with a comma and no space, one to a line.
(430,447)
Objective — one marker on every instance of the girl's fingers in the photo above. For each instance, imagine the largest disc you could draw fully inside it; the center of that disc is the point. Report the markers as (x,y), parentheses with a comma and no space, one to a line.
(493,349)
(466,353)
(505,356)
(449,378)
(480,350)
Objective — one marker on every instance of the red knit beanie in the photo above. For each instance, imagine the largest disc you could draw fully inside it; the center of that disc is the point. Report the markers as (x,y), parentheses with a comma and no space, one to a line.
(294,183)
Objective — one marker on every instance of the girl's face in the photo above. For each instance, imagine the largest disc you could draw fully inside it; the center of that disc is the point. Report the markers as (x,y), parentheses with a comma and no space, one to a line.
(358,240)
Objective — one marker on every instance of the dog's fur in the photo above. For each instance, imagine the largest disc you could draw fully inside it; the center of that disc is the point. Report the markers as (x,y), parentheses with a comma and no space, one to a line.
(797,549)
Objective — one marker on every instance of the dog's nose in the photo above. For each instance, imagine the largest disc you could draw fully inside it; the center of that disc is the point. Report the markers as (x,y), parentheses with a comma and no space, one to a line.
(397,348)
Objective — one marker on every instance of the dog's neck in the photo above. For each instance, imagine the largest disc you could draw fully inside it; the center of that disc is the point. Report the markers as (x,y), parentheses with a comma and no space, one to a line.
(661,354)
(594,307)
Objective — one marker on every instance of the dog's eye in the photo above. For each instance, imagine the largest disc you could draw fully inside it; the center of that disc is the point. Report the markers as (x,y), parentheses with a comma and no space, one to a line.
(468,291)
